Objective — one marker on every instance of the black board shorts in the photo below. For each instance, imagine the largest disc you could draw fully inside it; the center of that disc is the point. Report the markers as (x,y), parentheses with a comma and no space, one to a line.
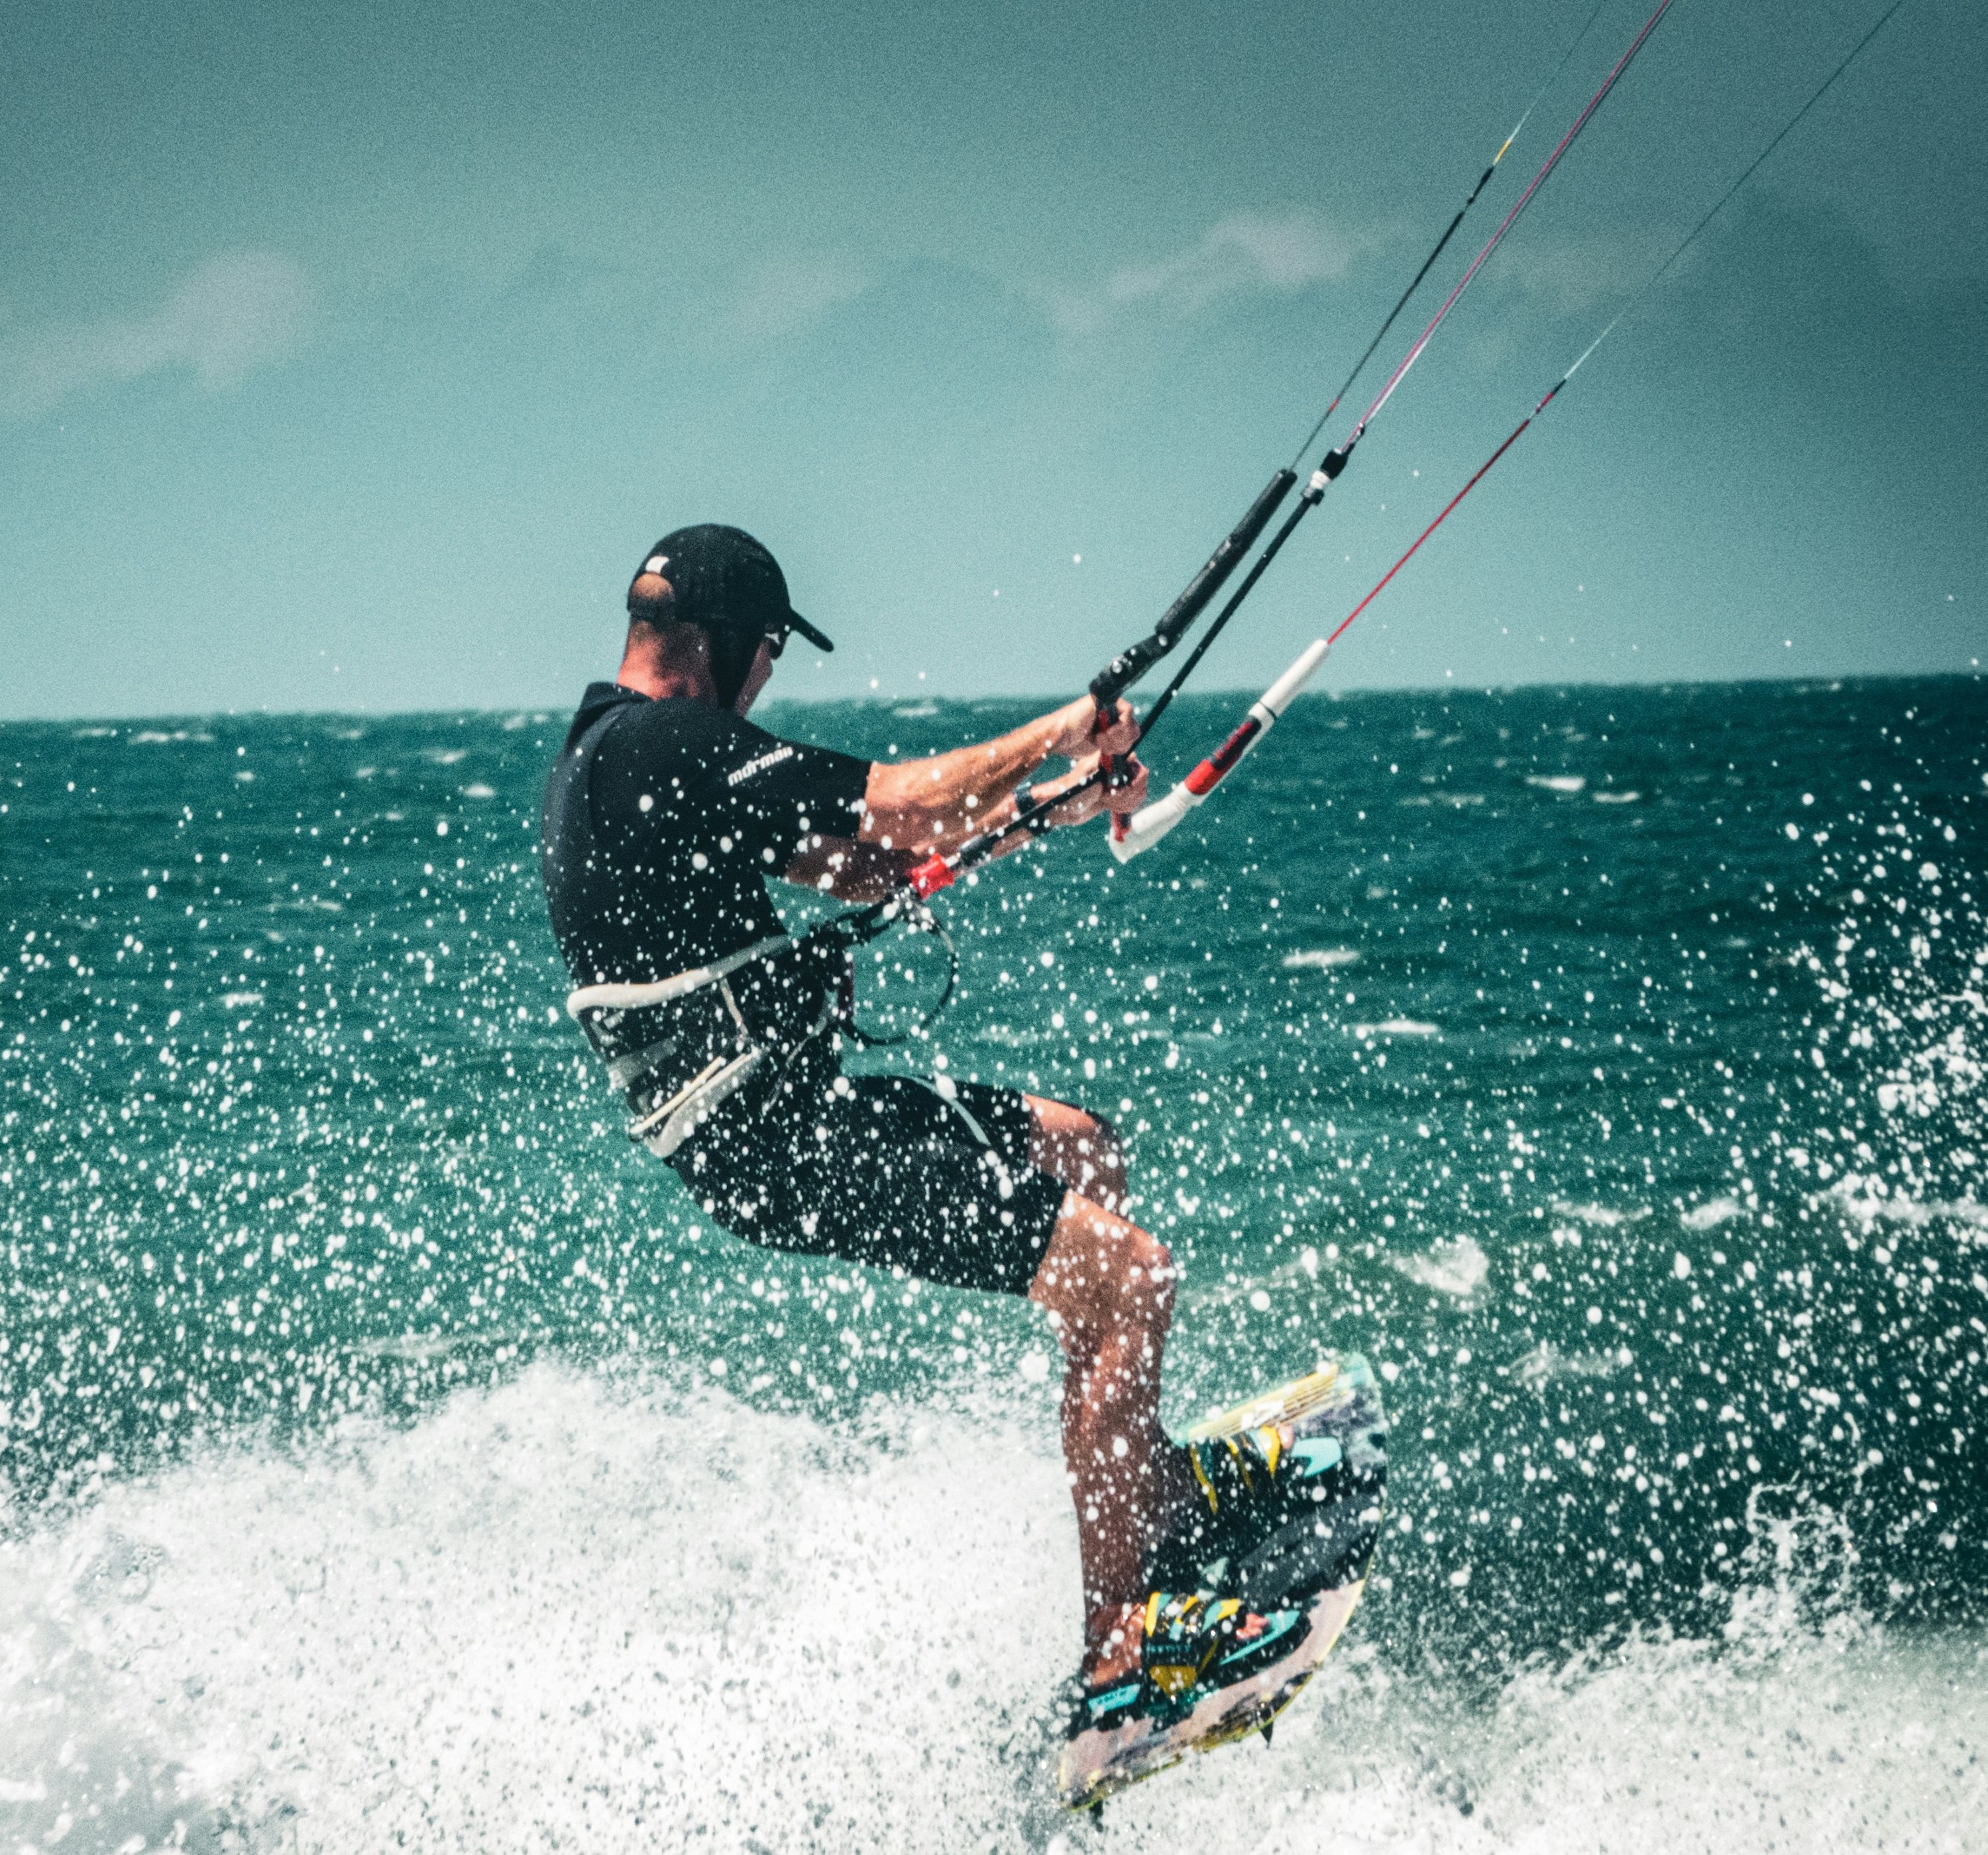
(929,1175)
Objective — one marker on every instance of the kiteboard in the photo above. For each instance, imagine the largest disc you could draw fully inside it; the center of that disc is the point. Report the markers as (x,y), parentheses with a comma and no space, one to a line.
(1252,1587)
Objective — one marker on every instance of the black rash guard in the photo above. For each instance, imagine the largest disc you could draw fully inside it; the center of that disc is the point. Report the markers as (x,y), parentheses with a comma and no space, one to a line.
(662,822)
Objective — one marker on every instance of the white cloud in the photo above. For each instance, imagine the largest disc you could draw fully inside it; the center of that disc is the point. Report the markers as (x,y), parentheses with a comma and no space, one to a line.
(1560,276)
(1247,252)
(786,294)
(223,319)
(1244,251)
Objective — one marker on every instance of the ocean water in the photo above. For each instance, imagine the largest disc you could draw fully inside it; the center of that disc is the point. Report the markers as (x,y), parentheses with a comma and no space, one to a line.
(391,1457)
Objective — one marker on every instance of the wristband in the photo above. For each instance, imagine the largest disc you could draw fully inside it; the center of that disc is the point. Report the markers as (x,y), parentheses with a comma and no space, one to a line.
(1037,824)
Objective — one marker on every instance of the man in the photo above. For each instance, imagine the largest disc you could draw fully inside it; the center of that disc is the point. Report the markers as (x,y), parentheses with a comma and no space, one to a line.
(664,814)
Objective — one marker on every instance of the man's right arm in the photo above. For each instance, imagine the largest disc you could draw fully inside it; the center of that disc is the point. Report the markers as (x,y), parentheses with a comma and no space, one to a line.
(912,808)
(937,803)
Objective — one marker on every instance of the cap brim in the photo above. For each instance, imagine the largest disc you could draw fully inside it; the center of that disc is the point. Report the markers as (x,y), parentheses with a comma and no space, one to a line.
(808,631)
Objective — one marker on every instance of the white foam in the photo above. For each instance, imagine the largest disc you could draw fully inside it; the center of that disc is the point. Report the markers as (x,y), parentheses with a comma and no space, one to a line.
(1398,1027)
(1456,1268)
(1603,1216)
(1324,959)
(1557,782)
(554,1614)
(1795,1744)
(1546,1363)
(1870,1199)
(1711,1214)
(574,1612)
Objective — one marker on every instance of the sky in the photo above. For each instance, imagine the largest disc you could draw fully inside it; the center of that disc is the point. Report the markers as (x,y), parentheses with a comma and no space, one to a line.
(351,357)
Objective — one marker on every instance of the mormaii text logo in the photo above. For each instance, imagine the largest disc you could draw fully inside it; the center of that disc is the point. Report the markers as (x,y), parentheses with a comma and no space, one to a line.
(738,775)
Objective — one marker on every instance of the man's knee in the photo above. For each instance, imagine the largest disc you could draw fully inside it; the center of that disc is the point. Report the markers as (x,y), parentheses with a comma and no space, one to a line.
(1102,1271)
(1100,1146)
(1099,1168)
(1081,1148)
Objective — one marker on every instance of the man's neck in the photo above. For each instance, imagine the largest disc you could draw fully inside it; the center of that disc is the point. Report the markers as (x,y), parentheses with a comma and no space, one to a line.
(650,674)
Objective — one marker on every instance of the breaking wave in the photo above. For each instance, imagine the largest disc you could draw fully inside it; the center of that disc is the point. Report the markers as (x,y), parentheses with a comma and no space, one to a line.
(607,1611)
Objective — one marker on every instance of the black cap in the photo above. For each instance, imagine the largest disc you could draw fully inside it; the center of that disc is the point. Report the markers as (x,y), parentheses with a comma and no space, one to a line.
(721,579)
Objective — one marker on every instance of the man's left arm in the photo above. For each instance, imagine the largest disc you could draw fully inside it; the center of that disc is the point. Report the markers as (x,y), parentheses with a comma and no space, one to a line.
(844,867)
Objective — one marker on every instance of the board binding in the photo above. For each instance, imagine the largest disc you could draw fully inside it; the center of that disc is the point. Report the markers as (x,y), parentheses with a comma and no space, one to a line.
(1314,1556)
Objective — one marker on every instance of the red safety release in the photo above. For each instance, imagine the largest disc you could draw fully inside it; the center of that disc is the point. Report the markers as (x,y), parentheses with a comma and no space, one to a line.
(932,875)
(1207,775)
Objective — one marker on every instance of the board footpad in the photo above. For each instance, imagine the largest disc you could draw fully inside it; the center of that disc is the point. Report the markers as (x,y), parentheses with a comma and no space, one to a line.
(1291,1484)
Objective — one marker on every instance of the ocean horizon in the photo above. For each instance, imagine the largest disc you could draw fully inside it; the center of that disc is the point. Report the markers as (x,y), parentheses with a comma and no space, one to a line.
(782,702)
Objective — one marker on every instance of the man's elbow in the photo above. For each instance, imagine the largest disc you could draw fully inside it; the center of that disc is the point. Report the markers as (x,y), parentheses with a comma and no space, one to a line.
(905,827)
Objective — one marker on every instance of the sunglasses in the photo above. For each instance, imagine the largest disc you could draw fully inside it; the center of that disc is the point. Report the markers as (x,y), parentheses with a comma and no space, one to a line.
(776,641)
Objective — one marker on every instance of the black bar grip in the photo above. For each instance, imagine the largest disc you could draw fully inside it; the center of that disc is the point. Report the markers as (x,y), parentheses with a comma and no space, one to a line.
(1126,669)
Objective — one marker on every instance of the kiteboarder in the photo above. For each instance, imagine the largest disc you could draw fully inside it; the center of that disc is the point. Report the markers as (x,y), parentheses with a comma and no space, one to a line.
(1249,1543)
(665,813)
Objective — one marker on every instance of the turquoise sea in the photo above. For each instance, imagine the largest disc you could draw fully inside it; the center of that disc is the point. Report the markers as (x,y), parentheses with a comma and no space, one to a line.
(390,1458)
